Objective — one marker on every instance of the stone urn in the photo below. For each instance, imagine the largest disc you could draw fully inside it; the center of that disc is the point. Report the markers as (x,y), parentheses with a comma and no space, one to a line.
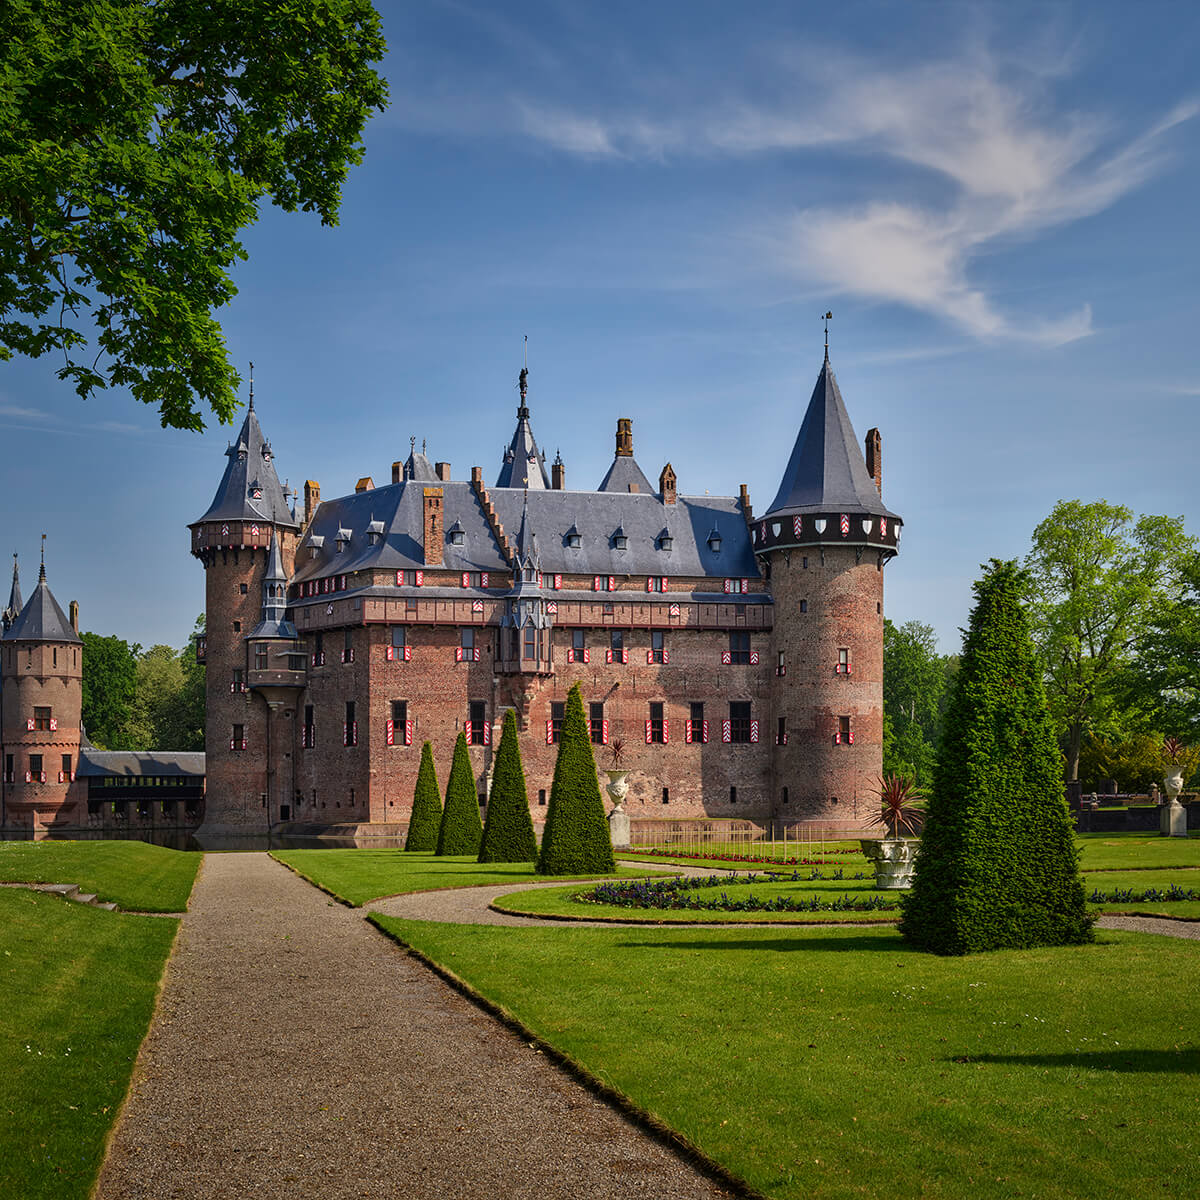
(618,820)
(893,859)
(1172,815)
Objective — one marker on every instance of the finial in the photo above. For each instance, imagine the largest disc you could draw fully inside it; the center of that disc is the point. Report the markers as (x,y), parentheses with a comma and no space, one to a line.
(422,445)
(827,318)
(251,387)
(42,572)
(412,445)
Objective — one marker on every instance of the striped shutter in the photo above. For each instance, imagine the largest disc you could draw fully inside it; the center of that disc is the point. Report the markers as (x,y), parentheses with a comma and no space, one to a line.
(649,583)
(796,525)
(420,578)
(612,583)
(649,656)
(845,524)
(704,731)
(487,733)
(726,657)
(407,653)
(604,732)
(837,738)
(728,586)
(399,578)
(664,584)
(666,730)
(458,654)
(571,656)
(587,655)
(408,733)
(608,656)
(391,732)
(745,585)
(850,737)
(647,733)
(754,731)
(595,583)
(389,653)
(467,731)
(727,731)
(674,610)
(483,579)
(549,733)
(29,724)
(477,606)
(552,608)
(754,658)
(687,731)
(666,655)
(558,581)
(466,579)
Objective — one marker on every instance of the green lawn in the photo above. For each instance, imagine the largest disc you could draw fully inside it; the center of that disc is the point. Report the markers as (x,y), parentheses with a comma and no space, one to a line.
(77,990)
(136,876)
(1114,851)
(839,1063)
(356,876)
(730,854)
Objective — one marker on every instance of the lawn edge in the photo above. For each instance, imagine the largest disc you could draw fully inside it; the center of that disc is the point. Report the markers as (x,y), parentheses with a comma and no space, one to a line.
(628,1108)
(662,923)
(319,886)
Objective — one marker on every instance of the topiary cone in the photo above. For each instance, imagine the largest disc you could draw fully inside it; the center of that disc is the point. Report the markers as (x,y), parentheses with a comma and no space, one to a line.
(461,830)
(508,831)
(997,864)
(575,840)
(427,806)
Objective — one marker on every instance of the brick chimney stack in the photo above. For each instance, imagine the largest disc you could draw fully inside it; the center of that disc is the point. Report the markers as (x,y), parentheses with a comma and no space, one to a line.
(75,616)
(434,526)
(624,437)
(666,484)
(744,500)
(312,498)
(397,472)
(558,474)
(365,484)
(442,471)
(875,458)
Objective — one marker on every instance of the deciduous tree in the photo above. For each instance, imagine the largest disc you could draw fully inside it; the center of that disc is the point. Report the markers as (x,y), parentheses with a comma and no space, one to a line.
(109,683)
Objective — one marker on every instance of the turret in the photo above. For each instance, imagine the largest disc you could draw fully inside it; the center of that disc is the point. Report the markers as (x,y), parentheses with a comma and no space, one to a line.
(525,628)
(13,610)
(524,464)
(824,541)
(41,657)
(246,540)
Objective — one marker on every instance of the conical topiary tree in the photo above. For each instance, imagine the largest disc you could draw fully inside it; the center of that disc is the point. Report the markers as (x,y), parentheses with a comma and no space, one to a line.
(461,829)
(997,865)
(508,830)
(575,840)
(427,806)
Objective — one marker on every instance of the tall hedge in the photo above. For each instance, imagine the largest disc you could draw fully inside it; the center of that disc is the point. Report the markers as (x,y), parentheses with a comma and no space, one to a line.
(997,865)
(461,829)
(575,840)
(427,806)
(508,830)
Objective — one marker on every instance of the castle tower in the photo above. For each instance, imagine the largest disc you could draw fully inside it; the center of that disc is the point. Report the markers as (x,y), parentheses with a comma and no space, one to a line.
(824,541)
(233,539)
(525,628)
(41,656)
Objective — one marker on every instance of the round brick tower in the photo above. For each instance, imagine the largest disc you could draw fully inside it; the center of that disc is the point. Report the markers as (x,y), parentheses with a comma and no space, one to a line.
(42,659)
(233,541)
(824,542)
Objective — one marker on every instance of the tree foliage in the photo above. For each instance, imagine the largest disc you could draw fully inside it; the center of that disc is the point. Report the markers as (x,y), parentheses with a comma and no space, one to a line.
(915,679)
(137,138)
(997,864)
(460,831)
(1134,762)
(110,677)
(426,817)
(575,840)
(1097,577)
(508,831)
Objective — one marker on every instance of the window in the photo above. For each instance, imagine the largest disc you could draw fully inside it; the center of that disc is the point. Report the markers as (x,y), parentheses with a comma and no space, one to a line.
(295,661)
(347,646)
(578,651)
(739,646)
(781,732)
(696,729)
(656,726)
(597,725)
(467,650)
(318,656)
(737,586)
(65,775)
(477,726)
(733,795)
(616,644)
(260,656)
(37,772)
(398,649)
(41,718)
(473,579)
(739,720)
(784,798)
(666,795)
(350,728)
(399,636)
(541,796)
(804,563)
(558,710)
(242,588)
(532,644)
(239,680)
(399,730)
(804,606)
(237,627)
(658,583)
(308,738)
(410,578)
(9,768)
(845,735)
(780,668)
(410,604)
(658,648)
(238,740)
(843,662)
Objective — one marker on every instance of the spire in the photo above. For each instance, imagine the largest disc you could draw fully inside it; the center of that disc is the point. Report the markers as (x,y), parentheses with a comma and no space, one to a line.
(826,471)
(524,464)
(41,620)
(13,611)
(251,387)
(527,560)
(274,596)
(827,318)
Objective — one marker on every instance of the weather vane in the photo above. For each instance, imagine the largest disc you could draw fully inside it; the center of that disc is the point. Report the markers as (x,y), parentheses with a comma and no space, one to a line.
(251,387)
(827,318)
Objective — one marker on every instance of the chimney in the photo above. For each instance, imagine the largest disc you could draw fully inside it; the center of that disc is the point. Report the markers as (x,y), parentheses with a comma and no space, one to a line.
(365,484)
(875,458)
(434,526)
(442,471)
(666,485)
(75,616)
(312,498)
(397,472)
(477,477)
(558,474)
(624,437)
(744,500)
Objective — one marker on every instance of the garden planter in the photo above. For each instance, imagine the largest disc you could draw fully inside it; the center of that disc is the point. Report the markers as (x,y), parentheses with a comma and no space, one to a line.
(1172,818)
(893,859)
(618,820)
(617,786)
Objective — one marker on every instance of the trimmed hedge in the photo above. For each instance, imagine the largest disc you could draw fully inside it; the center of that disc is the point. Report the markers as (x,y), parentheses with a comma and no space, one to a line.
(997,865)
(575,840)
(427,806)
(508,830)
(461,830)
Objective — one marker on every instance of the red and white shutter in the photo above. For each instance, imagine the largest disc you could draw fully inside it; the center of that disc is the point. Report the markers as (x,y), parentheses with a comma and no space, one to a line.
(391,732)
(29,724)
(649,656)
(728,585)
(468,731)
(754,658)
(608,656)
(604,732)
(666,655)
(745,585)
(837,738)
(408,733)
(664,586)
(649,583)
(612,583)
(53,724)
(487,733)
(674,610)
(704,731)
(845,524)
(571,655)
(458,654)
(407,653)
(477,606)
(483,579)
(420,578)
(666,730)
(596,583)
(389,653)
(557,581)
(797,522)
(850,737)
(648,738)
(727,731)
(754,731)
(687,731)
(549,733)
(466,579)
(726,657)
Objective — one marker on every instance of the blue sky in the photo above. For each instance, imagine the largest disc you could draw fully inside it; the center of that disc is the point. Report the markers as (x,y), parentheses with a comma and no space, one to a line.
(997,203)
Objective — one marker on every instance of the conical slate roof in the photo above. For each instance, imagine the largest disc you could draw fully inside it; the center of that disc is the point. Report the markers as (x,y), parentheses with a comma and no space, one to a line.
(624,472)
(249,489)
(41,620)
(827,472)
(524,464)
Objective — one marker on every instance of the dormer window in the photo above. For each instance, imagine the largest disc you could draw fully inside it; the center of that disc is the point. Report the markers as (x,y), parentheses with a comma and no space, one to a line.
(375,533)
(458,535)
(714,541)
(619,540)
(266,452)
(665,541)
(343,539)
(256,490)
(315,544)
(573,538)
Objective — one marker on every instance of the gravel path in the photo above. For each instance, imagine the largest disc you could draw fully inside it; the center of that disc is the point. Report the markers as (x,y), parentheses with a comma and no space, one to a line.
(1164,925)
(298,1053)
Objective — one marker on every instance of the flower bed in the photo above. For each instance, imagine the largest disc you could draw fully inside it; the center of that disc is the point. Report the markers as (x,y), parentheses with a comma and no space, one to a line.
(679,893)
(1150,895)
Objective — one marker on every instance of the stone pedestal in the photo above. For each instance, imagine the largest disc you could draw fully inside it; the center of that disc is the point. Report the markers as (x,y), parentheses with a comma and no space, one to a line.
(1172,819)
(618,828)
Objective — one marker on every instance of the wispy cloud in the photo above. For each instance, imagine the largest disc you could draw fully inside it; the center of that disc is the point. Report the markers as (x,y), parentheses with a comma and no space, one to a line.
(19,417)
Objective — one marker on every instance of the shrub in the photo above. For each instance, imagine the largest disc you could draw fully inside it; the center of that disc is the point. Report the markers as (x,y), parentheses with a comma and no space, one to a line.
(460,830)
(508,831)
(997,864)
(427,806)
(575,840)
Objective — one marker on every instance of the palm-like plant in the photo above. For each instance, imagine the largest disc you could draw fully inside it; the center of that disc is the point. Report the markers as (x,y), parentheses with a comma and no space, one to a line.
(615,748)
(900,811)
(1173,748)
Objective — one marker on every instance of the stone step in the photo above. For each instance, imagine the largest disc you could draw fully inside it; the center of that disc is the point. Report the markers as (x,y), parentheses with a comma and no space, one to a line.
(85,898)
(68,891)
(107,905)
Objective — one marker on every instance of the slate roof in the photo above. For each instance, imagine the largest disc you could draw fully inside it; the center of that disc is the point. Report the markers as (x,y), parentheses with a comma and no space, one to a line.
(418,467)
(623,472)
(524,464)
(827,472)
(272,623)
(249,465)
(93,762)
(41,620)
(551,514)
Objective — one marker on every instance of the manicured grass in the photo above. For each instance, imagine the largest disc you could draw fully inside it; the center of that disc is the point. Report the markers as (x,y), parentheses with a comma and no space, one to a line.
(77,990)
(1138,882)
(356,876)
(852,860)
(135,876)
(728,854)
(1113,851)
(839,1063)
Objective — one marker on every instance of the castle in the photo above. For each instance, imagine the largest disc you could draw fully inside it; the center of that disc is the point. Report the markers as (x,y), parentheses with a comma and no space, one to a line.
(738,658)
